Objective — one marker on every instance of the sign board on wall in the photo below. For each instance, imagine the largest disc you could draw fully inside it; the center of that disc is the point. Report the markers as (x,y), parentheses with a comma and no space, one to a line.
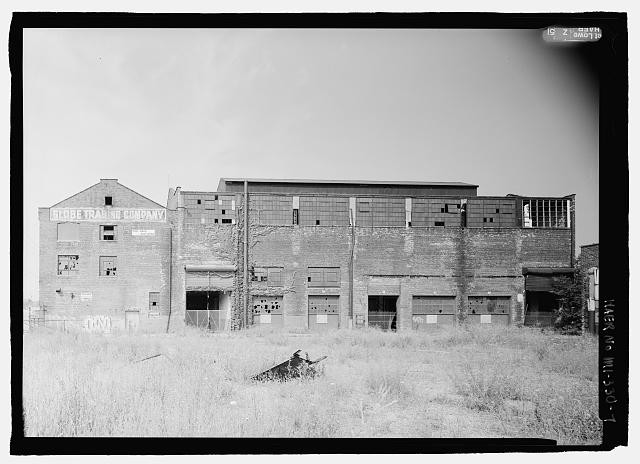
(86,296)
(485,318)
(143,232)
(108,214)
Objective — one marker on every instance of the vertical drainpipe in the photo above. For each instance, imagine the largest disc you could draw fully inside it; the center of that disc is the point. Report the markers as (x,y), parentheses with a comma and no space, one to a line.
(170,268)
(245,301)
(350,321)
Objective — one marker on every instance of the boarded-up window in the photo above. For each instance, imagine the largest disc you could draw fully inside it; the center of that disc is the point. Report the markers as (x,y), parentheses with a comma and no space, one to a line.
(324,304)
(108,265)
(489,304)
(108,233)
(263,304)
(273,276)
(68,264)
(434,305)
(324,277)
(68,231)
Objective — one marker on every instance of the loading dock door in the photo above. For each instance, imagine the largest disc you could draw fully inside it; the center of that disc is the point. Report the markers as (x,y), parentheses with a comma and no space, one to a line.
(324,312)
(433,311)
(382,312)
(489,309)
(267,310)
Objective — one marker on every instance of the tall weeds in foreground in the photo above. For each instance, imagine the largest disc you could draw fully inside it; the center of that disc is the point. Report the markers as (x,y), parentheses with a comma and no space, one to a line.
(459,382)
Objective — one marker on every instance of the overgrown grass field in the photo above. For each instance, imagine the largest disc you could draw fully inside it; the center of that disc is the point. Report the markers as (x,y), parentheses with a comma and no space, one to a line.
(458,382)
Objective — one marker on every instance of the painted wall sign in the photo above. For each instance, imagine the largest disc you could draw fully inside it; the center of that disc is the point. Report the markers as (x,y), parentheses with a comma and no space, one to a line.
(108,214)
(143,232)
(86,296)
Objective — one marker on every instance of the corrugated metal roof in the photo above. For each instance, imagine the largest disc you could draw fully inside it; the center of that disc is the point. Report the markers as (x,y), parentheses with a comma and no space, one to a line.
(348,182)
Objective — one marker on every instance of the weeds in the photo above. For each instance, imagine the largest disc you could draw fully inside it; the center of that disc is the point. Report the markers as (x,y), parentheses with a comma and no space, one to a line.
(492,382)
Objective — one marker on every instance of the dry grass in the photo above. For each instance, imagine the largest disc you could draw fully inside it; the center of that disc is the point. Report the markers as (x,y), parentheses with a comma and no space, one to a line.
(474,382)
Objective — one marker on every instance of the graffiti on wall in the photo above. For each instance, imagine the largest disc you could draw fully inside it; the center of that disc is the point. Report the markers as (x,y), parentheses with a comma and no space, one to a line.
(98,324)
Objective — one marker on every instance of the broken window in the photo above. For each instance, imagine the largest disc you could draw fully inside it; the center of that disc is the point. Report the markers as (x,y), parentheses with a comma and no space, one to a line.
(547,213)
(154,302)
(491,212)
(107,232)
(324,277)
(108,201)
(440,212)
(108,265)
(227,221)
(68,264)
(68,231)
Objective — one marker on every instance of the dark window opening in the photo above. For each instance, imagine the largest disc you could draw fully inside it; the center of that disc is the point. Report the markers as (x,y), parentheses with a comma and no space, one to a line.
(540,308)
(484,219)
(223,211)
(439,223)
(497,210)
(215,221)
(442,210)
(409,223)
(382,311)
(295,217)
(226,221)
(317,222)
(215,197)
(108,201)
(199,201)
(108,233)
(490,219)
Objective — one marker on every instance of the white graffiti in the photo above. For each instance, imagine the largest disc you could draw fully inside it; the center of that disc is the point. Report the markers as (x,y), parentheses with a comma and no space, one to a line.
(98,324)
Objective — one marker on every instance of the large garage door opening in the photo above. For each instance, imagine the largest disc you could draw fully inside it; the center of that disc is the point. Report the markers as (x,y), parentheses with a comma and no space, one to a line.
(382,311)
(203,310)
(540,309)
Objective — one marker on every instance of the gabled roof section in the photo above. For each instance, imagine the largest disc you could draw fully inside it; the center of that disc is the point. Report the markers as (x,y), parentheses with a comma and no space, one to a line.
(93,196)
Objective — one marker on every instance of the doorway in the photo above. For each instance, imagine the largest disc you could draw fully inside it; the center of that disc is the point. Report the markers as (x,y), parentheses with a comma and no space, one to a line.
(203,310)
(383,312)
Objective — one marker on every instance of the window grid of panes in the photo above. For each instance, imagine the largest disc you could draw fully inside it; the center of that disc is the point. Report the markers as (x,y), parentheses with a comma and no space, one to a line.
(209,208)
(324,211)
(491,212)
(546,213)
(380,212)
(432,212)
(274,210)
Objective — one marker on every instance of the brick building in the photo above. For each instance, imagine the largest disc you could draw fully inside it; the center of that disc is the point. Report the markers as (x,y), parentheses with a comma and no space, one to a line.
(323,254)
(104,259)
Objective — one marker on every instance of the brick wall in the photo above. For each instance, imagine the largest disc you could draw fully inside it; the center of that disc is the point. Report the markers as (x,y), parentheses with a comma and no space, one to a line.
(425,261)
(142,264)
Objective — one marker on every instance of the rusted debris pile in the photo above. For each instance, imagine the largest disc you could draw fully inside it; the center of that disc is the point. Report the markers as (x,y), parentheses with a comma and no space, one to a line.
(294,367)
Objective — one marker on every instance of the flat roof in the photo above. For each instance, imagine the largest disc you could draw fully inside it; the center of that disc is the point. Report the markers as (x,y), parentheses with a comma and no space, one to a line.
(345,182)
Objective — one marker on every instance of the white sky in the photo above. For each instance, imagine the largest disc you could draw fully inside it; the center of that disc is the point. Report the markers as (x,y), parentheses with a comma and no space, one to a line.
(160,108)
